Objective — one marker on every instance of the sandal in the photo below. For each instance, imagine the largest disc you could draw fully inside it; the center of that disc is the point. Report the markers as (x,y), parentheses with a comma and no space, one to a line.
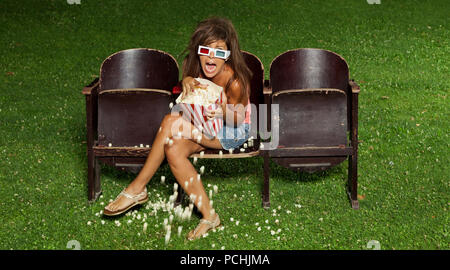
(211,225)
(138,199)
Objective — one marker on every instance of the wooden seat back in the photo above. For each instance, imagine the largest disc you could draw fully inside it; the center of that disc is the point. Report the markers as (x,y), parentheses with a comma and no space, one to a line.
(257,80)
(310,87)
(139,68)
(308,68)
(134,96)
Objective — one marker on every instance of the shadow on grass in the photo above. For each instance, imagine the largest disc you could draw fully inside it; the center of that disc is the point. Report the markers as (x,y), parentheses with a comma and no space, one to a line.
(224,168)
(285,174)
(234,168)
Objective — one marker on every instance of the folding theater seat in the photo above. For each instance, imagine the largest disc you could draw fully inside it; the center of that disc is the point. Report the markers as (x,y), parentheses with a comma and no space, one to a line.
(318,114)
(124,109)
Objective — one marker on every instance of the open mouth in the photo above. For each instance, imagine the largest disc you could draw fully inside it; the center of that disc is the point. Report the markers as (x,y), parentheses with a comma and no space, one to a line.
(210,67)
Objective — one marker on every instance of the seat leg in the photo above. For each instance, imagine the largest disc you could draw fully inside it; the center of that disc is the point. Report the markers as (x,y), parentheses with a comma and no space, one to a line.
(265,195)
(97,184)
(94,187)
(180,196)
(352,188)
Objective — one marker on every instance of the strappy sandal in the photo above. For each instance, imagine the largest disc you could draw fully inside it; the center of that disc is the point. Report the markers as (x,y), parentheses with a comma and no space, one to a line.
(211,225)
(138,199)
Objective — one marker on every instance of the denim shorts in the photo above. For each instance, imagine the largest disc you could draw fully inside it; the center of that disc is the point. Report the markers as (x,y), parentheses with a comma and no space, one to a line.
(231,137)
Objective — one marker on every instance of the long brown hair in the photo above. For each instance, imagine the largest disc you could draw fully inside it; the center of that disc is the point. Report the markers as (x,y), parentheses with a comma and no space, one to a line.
(209,31)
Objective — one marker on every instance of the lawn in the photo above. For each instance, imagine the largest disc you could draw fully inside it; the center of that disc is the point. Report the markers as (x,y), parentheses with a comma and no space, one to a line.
(397,51)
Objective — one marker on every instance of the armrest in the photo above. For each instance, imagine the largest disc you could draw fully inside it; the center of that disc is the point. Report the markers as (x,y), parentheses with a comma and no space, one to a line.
(354,86)
(267,92)
(90,93)
(87,90)
(353,114)
(267,88)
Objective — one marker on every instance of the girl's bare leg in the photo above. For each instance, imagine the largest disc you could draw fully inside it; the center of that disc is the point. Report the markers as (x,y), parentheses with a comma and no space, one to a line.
(170,125)
(152,163)
(186,175)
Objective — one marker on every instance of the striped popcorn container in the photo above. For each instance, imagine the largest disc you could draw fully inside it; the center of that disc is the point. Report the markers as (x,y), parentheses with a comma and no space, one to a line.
(195,103)
(195,113)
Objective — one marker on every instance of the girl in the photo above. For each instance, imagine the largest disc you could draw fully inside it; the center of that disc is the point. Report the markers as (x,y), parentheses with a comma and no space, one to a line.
(213,54)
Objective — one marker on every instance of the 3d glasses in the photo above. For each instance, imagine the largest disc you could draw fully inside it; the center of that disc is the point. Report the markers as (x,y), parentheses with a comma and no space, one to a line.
(218,53)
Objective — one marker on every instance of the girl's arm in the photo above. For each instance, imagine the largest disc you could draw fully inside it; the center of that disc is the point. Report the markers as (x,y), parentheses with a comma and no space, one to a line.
(233,105)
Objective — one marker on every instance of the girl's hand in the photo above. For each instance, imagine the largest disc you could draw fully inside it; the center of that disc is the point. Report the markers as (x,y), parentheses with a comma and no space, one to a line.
(218,112)
(214,113)
(189,84)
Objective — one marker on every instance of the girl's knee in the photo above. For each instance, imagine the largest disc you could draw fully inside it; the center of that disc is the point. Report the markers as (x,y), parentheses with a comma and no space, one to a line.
(169,121)
(169,151)
(173,150)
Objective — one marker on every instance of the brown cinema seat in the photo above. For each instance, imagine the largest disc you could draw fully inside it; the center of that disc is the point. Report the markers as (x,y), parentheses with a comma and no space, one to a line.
(318,114)
(124,109)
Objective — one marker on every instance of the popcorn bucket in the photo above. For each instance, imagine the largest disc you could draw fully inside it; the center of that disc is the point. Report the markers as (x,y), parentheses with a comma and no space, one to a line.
(195,113)
(195,105)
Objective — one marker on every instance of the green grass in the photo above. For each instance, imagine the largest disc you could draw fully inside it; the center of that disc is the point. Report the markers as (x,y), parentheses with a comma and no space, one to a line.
(397,51)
